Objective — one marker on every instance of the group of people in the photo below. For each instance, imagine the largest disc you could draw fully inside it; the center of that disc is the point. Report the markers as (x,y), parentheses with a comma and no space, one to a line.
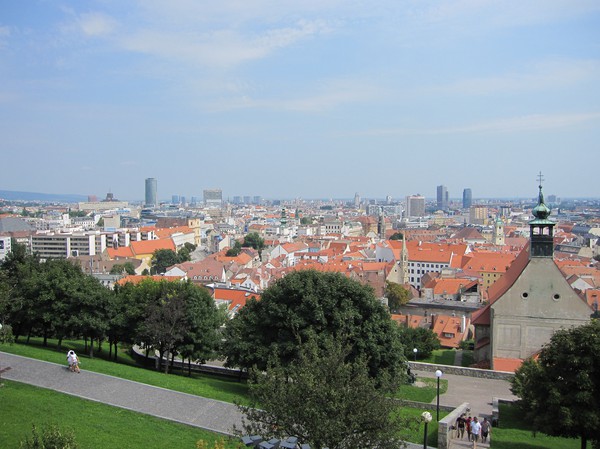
(73,361)
(473,428)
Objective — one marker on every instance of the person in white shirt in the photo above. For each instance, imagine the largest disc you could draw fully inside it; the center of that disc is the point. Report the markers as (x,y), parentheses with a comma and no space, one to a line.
(73,361)
(475,431)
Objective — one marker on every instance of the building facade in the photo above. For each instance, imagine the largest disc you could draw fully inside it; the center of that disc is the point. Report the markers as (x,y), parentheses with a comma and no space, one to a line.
(530,302)
(415,206)
(151,198)
(442,198)
(467,198)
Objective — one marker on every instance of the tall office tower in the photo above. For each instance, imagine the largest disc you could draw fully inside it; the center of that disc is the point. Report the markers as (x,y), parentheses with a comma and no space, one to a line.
(151,199)
(182,200)
(442,197)
(213,197)
(174,199)
(415,206)
(467,198)
(246,199)
(356,201)
(256,200)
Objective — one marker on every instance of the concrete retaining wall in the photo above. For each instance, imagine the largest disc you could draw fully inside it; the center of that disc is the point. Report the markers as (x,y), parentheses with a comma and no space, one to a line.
(461,371)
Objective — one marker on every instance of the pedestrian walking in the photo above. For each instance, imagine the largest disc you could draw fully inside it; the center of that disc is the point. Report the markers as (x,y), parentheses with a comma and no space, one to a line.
(486,428)
(475,431)
(468,427)
(460,426)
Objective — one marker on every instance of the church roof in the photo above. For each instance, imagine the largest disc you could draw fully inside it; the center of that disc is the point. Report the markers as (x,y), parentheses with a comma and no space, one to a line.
(501,286)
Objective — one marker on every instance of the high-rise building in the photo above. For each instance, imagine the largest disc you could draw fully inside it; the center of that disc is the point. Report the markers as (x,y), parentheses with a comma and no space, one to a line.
(415,206)
(356,201)
(213,197)
(256,200)
(467,198)
(442,197)
(174,199)
(151,198)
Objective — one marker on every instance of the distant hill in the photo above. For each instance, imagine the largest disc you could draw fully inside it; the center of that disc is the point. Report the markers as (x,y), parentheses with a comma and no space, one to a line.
(45,197)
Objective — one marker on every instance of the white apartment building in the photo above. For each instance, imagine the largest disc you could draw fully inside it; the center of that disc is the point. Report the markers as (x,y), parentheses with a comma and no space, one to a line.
(48,244)
(5,247)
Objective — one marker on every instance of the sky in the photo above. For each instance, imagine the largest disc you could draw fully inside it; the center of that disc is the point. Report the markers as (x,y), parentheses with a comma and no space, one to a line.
(300,99)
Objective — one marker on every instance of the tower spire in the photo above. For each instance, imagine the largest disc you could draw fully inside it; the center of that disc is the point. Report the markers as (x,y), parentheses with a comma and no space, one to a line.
(541,228)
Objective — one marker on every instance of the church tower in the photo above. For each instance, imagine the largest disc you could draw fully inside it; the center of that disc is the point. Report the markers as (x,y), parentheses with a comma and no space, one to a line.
(498,234)
(541,229)
(404,261)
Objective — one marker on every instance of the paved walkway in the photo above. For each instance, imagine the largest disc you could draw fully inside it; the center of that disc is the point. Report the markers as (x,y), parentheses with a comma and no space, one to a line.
(209,414)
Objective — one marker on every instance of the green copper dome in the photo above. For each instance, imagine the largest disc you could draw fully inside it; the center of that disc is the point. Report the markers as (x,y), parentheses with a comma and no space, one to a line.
(541,211)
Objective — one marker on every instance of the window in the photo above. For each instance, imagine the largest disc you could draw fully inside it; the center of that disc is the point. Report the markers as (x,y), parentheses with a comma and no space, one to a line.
(524,295)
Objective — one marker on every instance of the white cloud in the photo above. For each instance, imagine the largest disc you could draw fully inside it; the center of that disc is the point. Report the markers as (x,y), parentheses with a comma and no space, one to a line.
(96,24)
(221,48)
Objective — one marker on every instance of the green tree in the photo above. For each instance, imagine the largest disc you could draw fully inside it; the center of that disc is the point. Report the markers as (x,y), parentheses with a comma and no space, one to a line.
(124,268)
(235,250)
(397,236)
(163,259)
(396,294)
(425,340)
(306,220)
(254,240)
(326,401)
(171,317)
(309,304)
(560,392)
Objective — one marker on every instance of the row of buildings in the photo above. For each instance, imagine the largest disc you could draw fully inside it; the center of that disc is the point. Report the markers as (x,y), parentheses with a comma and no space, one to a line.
(457,275)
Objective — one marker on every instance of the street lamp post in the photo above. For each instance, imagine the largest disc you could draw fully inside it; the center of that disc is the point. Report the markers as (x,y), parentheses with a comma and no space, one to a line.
(426,418)
(438,374)
(415,352)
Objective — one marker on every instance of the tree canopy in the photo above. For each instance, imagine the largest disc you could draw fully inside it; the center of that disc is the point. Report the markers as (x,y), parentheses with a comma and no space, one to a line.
(425,340)
(307,305)
(397,236)
(326,401)
(254,240)
(396,294)
(560,391)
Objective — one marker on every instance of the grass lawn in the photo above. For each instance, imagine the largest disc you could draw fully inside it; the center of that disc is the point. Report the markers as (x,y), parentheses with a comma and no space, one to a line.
(424,394)
(416,429)
(95,425)
(514,433)
(55,408)
(441,357)
(207,386)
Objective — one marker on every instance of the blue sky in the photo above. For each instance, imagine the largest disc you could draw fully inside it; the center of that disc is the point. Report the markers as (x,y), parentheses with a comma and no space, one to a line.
(306,99)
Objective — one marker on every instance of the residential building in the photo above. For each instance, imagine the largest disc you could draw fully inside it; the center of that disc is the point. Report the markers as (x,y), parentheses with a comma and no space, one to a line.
(479,215)
(214,197)
(4,246)
(415,206)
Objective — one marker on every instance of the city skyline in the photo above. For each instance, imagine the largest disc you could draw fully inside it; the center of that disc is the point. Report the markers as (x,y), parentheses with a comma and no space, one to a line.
(311,100)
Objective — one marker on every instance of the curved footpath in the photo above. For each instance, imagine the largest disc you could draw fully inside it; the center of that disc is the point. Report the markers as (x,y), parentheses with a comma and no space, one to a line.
(185,408)
(206,413)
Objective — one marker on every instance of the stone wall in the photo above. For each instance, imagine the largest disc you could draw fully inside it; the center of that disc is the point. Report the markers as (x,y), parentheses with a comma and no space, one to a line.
(461,371)
(445,431)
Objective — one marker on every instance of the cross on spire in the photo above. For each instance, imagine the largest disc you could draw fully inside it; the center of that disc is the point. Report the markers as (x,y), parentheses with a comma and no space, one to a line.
(540,179)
